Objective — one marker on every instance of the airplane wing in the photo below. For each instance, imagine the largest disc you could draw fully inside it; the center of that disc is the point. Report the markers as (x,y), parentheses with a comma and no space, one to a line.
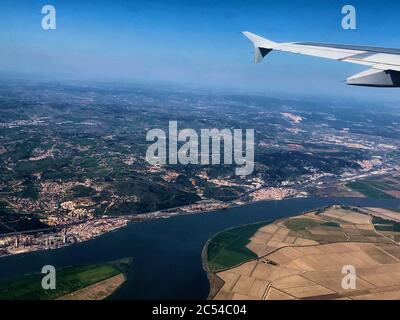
(384,62)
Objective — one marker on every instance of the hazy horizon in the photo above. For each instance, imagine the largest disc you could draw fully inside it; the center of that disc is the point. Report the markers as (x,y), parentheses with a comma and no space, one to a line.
(195,44)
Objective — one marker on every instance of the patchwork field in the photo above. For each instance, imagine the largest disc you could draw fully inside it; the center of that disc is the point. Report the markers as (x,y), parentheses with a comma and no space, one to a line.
(302,257)
(97,291)
(386,187)
(228,248)
(77,282)
(376,187)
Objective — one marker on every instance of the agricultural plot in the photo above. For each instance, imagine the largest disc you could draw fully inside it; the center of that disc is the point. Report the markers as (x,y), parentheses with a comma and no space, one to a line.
(388,228)
(302,258)
(393,215)
(68,280)
(97,291)
(228,248)
(377,187)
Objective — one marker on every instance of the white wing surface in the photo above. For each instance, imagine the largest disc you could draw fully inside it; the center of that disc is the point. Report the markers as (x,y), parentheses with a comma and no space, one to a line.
(384,62)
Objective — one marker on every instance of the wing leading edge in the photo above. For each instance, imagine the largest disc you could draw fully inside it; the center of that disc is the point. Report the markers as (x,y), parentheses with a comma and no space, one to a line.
(384,62)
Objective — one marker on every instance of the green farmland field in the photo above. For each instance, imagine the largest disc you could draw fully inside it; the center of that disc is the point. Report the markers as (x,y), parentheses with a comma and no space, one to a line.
(369,190)
(228,248)
(68,279)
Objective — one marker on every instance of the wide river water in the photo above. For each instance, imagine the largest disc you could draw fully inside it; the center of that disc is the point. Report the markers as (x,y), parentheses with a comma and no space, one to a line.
(166,253)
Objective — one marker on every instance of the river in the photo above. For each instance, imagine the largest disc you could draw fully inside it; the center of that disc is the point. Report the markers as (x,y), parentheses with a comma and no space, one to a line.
(166,253)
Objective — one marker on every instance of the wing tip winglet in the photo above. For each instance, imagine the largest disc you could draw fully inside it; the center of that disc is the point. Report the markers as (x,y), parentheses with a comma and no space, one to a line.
(262,46)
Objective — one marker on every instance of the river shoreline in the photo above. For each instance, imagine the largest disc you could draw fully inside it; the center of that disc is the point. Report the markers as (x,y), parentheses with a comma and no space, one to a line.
(167,252)
(123,220)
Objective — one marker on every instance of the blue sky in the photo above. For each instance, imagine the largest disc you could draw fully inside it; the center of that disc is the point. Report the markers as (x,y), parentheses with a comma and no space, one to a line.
(194,43)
